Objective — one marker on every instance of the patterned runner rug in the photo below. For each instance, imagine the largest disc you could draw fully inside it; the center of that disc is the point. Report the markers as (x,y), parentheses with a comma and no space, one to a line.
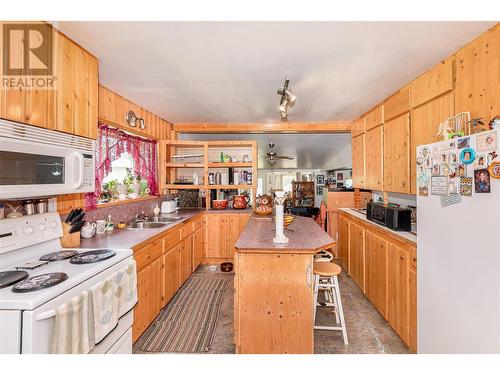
(188,323)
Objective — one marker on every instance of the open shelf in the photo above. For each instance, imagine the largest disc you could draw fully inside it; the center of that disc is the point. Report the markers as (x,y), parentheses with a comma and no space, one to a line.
(229,165)
(228,187)
(184,165)
(181,187)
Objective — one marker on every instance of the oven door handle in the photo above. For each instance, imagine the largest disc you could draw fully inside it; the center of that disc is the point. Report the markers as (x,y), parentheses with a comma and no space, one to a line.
(81,170)
(46,315)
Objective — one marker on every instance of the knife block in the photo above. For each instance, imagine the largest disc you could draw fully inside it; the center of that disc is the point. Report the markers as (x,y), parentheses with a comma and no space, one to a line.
(69,239)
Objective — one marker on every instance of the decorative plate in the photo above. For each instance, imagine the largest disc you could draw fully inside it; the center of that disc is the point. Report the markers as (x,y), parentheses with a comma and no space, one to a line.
(467,155)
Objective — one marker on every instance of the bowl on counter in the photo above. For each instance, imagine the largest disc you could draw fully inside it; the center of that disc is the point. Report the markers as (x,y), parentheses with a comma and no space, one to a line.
(220,204)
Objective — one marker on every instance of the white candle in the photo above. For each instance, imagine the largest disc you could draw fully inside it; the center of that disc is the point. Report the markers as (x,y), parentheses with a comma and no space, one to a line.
(279,200)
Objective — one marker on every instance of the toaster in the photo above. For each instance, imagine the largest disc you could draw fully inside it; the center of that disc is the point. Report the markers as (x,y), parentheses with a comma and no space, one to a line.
(168,207)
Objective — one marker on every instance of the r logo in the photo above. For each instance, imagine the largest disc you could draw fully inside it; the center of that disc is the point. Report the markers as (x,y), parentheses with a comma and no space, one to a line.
(27,49)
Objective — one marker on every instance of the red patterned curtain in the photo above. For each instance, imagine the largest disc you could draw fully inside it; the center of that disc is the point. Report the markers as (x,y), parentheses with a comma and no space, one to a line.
(110,145)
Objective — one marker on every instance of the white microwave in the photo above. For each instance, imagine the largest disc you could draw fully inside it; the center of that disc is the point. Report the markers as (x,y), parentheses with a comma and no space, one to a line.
(37,162)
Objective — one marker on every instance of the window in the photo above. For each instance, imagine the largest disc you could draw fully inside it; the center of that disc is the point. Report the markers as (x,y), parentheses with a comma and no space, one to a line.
(286,182)
(119,168)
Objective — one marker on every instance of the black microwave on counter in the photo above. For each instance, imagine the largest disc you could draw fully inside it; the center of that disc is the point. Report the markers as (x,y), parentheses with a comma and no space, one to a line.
(393,217)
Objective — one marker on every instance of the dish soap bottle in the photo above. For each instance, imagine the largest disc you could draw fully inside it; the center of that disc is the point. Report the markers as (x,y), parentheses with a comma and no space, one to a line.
(109,224)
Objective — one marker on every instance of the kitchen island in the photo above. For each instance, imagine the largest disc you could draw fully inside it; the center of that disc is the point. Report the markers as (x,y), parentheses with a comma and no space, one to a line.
(273,307)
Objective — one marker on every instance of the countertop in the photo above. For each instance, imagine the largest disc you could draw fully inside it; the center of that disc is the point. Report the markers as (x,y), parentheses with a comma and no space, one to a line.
(126,239)
(408,236)
(307,236)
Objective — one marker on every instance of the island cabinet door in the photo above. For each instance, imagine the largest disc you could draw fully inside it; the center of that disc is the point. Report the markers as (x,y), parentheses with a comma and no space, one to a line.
(376,271)
(274,303)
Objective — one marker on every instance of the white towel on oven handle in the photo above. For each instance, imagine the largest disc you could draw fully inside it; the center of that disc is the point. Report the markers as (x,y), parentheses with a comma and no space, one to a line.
(113,298)
(73,326)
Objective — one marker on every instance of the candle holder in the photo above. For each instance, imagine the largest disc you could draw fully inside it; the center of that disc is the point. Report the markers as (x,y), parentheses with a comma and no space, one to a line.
(280,235)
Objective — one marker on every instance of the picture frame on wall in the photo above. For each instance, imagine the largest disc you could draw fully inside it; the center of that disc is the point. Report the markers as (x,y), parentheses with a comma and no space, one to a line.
(320,179)
(319,190)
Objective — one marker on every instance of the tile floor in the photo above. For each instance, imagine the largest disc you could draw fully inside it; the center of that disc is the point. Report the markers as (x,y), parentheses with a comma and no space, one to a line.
(368,332)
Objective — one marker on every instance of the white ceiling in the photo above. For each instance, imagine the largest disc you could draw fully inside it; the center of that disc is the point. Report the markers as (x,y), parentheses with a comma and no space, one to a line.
(229,71)
(311,151)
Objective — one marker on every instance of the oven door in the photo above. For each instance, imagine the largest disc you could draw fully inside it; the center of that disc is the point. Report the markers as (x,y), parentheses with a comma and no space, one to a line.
(38,323)
(29,170)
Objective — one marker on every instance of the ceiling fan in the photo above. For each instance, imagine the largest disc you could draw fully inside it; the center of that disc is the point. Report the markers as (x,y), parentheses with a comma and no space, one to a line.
(287,100)
(272,156)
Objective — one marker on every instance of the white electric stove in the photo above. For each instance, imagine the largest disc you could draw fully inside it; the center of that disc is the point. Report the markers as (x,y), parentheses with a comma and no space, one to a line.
(37,275)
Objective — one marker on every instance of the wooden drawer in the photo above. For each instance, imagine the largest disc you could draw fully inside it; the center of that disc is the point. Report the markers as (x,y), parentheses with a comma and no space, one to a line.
(171,239)
(147,254)
(186,229)
(413,258)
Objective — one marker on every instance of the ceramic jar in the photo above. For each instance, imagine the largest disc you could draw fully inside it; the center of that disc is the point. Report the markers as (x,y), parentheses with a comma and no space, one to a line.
(88,230)
(240,202)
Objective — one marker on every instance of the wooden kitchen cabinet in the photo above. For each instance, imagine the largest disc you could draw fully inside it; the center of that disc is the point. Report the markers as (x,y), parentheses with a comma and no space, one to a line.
(374,176)
(374,118)
(71,106)
(358,127)
(358,161)
(433,83)
(376,271)
(223,231)
(357,254)
(149,297)
(398,290)
(186,258)
(412,331)
(343,243)
(198,247)
(397,154)
(425,121)
(171,273)
(397,104)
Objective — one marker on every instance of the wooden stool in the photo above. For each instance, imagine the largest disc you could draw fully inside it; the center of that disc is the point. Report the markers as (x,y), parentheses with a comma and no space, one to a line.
(323,256)
(325,278)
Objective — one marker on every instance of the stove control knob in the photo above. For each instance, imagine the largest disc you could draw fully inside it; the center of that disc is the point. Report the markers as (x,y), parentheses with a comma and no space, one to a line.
(42,227)
(53,225)
(28,230)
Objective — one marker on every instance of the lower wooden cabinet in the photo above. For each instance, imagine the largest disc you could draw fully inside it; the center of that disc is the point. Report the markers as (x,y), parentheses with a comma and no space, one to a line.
(398,290)
(223,231)
(149,297)
(385,269)
(198,247)
(343,243)
(171,273)
(357,254)
(186,258)
(376,271)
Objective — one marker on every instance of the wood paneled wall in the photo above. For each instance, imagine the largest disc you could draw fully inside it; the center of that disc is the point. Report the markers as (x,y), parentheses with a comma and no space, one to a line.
(468,80)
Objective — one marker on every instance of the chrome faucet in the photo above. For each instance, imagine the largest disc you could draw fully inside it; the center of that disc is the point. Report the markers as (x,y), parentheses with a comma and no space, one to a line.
(140,216)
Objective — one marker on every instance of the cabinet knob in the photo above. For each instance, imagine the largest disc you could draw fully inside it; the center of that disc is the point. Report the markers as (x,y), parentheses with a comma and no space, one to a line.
(402,257)
(414,259)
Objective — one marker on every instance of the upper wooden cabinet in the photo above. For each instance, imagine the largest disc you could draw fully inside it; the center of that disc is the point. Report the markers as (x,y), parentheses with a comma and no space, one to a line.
(113,110)
(397,104)
(374,118)
(425,122)
(397,154)
(358,127)
(358,161)
(477,84)
(71,106)
(435,82)
(374,151)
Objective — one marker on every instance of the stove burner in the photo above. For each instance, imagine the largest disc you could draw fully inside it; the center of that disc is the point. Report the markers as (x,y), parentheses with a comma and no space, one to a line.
(39,282)
(8,278)
(93,256)
(59,255)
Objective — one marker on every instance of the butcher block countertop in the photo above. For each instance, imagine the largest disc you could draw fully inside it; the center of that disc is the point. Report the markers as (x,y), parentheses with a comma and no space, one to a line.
(305,236)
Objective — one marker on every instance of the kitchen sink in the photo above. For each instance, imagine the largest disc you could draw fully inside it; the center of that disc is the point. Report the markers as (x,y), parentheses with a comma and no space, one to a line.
(144,225)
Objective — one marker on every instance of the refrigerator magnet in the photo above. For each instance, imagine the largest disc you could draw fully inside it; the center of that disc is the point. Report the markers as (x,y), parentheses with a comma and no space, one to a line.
(439,185)
(462,170)
(463,142)
(426,152)
(486,142)
(444,170)
(481,161)
(453,158)
(467,155)
(466,186)
(491,156)
(482,181)
(435,170)
(494,169)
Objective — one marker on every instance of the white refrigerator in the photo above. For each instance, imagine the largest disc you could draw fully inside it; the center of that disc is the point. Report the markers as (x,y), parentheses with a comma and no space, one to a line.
(458,237)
